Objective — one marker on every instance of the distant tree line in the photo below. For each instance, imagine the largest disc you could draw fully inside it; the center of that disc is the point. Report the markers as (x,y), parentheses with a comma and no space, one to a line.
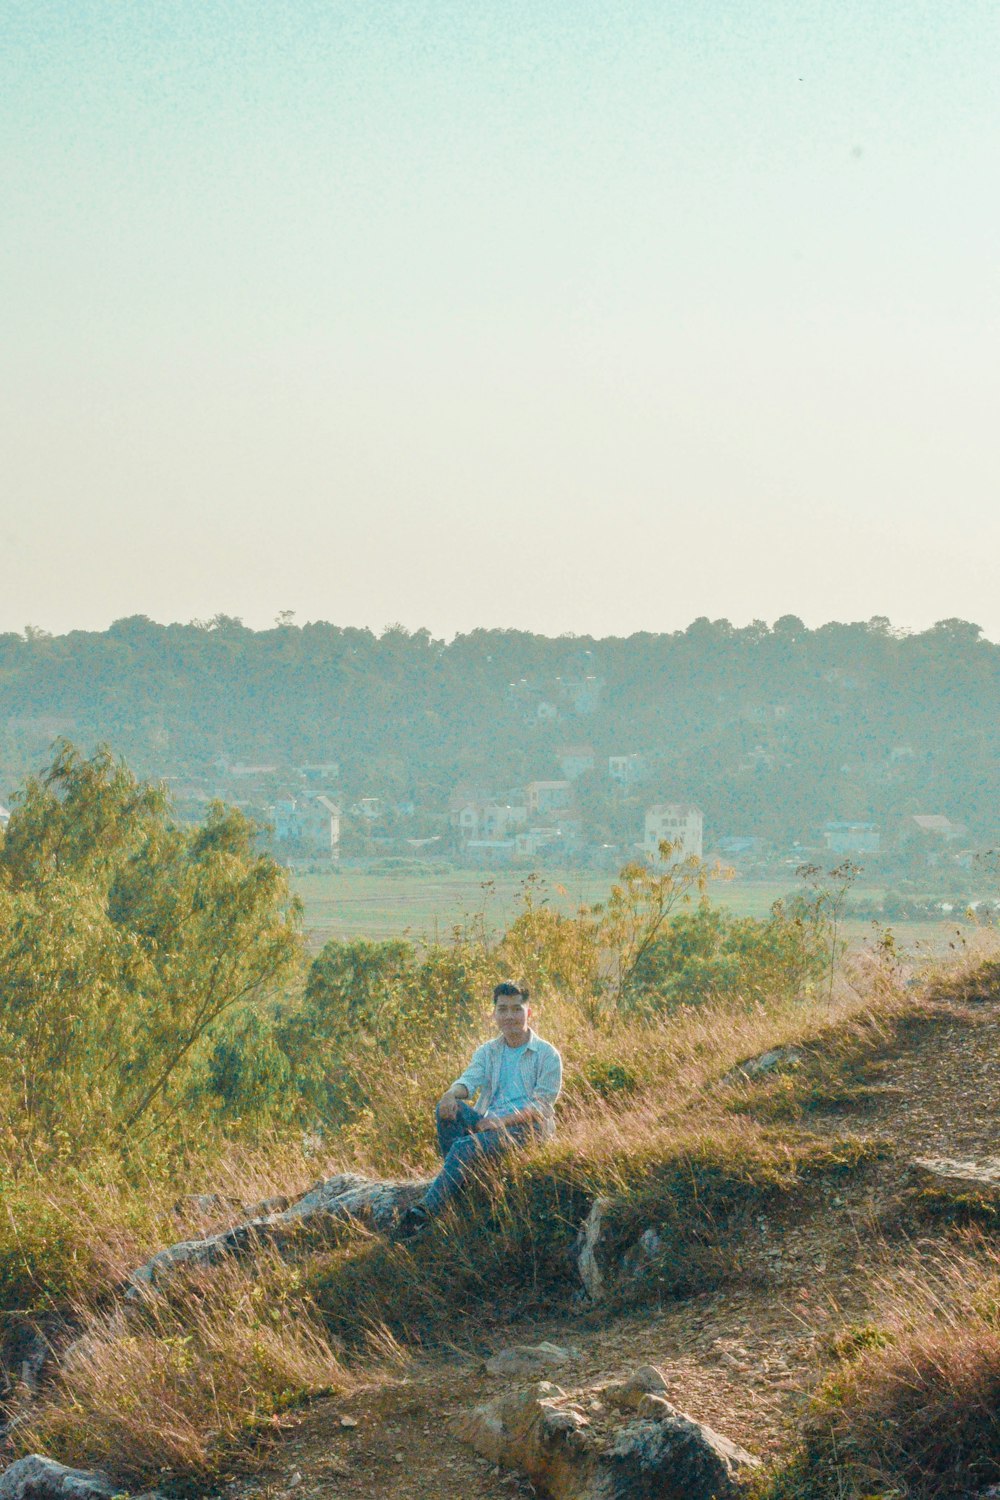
(772,730)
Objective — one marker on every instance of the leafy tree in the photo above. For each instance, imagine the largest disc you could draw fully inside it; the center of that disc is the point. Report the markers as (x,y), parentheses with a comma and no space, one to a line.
(124,941)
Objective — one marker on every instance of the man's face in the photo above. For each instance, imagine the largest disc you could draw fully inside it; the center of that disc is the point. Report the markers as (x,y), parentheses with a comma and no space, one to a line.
(511,1014)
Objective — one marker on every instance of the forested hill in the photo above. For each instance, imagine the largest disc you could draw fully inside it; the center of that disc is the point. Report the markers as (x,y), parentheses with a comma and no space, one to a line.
(770,729)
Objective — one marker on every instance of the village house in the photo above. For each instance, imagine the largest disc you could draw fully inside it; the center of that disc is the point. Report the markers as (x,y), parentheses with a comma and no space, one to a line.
(680,823)
(547,796)
(576,760)
(464,819)
(498,820)
(307,827)
(483,819)
(851,838)
(932,827)
(626,770)
(4,817)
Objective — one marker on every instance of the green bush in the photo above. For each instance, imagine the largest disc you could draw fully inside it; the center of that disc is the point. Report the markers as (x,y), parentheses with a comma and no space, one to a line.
(709,954)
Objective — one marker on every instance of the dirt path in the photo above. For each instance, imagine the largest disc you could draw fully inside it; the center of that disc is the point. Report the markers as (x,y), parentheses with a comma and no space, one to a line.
(742,1360)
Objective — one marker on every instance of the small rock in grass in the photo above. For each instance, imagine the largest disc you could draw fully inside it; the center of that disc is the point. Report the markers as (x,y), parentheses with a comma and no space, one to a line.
(38,1478)
(626,1394)
(527,1359)
(656,1409)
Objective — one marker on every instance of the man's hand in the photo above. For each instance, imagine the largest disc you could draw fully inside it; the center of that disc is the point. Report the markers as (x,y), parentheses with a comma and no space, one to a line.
(529,1115)
(448,1105)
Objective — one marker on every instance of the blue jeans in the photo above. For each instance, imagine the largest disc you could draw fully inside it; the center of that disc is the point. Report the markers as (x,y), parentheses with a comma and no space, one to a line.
(462,1149)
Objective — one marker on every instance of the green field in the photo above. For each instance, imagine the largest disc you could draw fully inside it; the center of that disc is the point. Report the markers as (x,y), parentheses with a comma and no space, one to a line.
(348,903)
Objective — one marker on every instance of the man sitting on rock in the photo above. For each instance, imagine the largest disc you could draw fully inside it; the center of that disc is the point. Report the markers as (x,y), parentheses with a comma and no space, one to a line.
(517,1078)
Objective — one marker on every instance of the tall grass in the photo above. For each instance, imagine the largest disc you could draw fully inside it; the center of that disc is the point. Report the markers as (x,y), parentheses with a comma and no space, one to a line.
(177,1385)
(642,1123)
(915,1408)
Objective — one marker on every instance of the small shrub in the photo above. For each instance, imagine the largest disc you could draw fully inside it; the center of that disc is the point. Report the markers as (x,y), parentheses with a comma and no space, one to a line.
(609,1077)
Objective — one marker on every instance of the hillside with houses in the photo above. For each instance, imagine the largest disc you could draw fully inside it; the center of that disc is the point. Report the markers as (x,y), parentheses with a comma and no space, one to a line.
(765,746)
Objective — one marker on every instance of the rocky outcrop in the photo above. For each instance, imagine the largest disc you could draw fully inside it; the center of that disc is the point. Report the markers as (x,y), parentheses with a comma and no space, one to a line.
(663,1454)
(597,1278)
(38,1478)
(587,1241)
(348,1196)
(959,1176)
(667,1455)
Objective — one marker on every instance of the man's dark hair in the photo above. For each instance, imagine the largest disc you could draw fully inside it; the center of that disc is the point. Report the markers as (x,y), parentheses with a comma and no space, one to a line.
(507,991)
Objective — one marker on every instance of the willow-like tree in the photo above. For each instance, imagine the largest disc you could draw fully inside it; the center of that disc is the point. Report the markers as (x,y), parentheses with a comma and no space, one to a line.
(125,939)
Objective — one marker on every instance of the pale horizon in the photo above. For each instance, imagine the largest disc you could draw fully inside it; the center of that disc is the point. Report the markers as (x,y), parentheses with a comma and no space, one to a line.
(548,317)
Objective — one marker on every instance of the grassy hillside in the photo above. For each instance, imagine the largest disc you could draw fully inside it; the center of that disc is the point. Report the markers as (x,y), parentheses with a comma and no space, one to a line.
(177,1059)
(770,730)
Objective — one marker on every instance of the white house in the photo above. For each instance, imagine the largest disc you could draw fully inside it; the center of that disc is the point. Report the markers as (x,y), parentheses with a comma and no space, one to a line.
(307,826)
(465,819)
(473,819)
(4,817)
(679,822)
(498,820)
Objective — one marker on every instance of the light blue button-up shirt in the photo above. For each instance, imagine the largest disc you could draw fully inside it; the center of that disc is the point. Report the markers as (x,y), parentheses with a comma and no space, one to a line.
(541,1074)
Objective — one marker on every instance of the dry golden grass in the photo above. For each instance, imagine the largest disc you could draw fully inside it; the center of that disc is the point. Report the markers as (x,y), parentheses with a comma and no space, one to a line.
(918,1404)
(970,968)
(181,1386)
(176,1384)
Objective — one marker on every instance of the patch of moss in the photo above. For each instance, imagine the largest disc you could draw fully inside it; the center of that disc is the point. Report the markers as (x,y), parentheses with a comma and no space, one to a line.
(959,1208)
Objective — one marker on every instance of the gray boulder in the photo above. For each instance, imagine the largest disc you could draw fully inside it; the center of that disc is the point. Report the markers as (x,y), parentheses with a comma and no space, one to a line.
(348,1196)
(671,1457)
(664,1455)
(529,1359)
(959,1176)
(38,1478)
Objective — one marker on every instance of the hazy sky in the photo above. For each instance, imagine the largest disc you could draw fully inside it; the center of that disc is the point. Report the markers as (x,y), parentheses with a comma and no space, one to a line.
(554,314)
